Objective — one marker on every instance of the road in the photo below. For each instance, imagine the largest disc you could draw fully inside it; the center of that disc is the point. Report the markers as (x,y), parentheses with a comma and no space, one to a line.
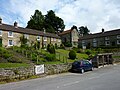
(106,78)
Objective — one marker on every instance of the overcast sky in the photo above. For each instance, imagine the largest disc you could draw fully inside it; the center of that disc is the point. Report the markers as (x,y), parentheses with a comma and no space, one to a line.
(95,14)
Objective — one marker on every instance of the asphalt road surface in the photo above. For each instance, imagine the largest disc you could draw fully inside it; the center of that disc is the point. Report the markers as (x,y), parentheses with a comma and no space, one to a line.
(106,78)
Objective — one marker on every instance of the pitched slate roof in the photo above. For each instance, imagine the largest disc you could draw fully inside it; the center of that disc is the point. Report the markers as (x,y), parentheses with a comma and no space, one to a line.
(66,32)
(7,27)
(101,34)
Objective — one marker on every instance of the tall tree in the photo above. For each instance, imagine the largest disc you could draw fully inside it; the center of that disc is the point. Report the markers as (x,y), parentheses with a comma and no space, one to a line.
(50,22)
(36,21)
(84,30)
(74,27)
(54,22)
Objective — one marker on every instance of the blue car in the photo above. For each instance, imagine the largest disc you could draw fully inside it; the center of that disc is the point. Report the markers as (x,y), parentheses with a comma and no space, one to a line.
(82,66)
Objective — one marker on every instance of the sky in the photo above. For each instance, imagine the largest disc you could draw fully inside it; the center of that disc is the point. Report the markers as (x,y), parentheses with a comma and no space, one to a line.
(95,14)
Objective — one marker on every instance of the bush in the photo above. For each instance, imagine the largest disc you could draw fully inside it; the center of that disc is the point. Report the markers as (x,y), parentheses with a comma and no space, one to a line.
(88,52)
(4,53)
(56,46)
(50,57)
(51,48)
(12,60)
(68,44)
(7,55)
(62,46)
(72,54)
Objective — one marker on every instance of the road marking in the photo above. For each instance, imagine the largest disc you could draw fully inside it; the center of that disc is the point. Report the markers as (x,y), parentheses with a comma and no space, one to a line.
(68,84)
(94,77)
(58,87)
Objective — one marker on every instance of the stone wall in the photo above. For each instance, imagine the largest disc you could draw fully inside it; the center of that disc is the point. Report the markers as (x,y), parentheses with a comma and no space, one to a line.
(26,72)
(57,68)
(8,74)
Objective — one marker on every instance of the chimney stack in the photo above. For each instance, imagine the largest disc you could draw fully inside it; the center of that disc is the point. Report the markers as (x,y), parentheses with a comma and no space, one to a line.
(0,20)
(103,30)
(15,24)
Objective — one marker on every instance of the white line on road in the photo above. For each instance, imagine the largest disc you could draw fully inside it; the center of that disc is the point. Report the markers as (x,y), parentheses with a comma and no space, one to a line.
(68,84)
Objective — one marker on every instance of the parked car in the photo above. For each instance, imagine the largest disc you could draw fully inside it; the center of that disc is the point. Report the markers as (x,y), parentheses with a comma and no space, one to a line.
(82,66)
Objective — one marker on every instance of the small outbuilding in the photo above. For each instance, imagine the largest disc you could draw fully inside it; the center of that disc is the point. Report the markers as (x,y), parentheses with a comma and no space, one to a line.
(102,59)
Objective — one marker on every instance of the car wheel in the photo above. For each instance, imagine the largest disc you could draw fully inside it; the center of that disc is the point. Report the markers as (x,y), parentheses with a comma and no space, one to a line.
(82,71)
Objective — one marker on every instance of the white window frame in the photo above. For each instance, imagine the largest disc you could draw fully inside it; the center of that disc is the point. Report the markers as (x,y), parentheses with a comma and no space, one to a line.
(94,44)
(0,32)
(118,36)
(38,38)
(106,43)
(10,34)
(106,38)
(54,39)
(118,42)
(83,41)
(59,40)
(26,36)
(94,40)
(9,43)
(45,38)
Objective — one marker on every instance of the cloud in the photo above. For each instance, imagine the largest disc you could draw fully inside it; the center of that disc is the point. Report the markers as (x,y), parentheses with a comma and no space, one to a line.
(95,14)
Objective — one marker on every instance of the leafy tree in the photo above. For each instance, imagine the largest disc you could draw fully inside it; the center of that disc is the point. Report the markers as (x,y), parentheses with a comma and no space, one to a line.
(36,21)
(74,27)
(50,22)
(54,22)
(51,48)
(83,30)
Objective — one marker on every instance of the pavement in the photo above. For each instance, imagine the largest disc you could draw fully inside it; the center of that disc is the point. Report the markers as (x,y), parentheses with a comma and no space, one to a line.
(104,78)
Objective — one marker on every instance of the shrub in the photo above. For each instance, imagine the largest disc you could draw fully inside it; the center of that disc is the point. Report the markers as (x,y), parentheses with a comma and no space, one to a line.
(88,52)
(72,54)
(4,53)
(51,48)
(50,57)
(7,55)
(62,46)
(68,44)
(34,56)
(56,46)
(12,60)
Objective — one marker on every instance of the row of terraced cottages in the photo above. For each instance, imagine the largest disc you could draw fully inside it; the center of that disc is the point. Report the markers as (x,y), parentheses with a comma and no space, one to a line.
(102,39)
(10,36)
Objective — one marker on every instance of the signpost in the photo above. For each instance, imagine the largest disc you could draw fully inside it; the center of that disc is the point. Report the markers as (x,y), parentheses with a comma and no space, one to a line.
(39,69)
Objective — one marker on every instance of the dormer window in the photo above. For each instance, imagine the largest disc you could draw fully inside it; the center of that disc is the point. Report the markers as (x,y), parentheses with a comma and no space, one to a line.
(0,32)
(10,34)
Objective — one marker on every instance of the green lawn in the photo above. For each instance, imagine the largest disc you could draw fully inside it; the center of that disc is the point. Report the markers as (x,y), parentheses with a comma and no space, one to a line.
(118,57)
(63,55)
(12,65)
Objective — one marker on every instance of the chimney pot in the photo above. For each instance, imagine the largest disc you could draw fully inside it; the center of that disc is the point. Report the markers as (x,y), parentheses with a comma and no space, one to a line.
(15,24)
(103,30)
(0,20)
